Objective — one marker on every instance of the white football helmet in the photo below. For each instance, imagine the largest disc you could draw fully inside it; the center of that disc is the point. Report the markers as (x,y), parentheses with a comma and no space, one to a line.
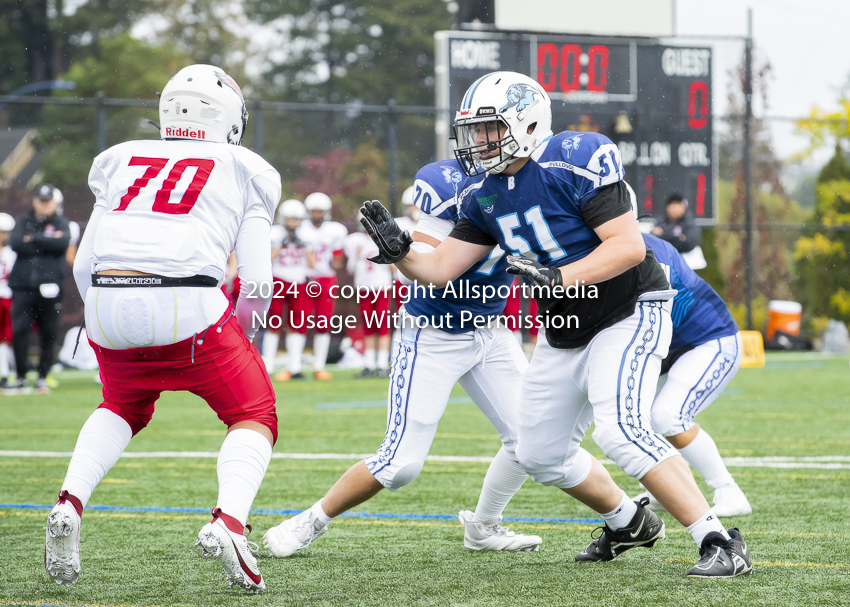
(202,102)
(492,125)
(292,209)
(7,222)
(407,200)
(319,202)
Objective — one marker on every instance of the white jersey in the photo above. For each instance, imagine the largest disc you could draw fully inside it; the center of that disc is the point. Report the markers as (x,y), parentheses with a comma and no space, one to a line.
(174,208)
(290,264)
(7,260)
(358,249)
(74,232)
(326,242)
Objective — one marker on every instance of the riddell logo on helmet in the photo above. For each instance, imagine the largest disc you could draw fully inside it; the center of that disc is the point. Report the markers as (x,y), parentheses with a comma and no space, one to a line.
(190,133)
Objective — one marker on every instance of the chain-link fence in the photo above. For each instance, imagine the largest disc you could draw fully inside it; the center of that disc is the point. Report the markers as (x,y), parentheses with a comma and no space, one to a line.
(357,152)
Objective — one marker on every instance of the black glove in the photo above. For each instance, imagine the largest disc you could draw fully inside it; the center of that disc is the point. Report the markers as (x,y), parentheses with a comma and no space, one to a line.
(393,242)
(536,272)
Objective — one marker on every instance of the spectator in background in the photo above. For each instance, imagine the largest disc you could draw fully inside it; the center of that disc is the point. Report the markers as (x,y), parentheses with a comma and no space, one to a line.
(677,227)
(40,239)
(7,260)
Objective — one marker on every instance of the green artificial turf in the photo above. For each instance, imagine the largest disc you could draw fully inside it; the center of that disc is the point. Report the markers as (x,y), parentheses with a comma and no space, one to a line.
(799,533)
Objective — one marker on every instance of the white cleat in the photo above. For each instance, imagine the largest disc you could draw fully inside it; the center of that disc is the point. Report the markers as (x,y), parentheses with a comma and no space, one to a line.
(234,552)
(293,534)
(653,504)
(731,501)
(62,546)
(478,536)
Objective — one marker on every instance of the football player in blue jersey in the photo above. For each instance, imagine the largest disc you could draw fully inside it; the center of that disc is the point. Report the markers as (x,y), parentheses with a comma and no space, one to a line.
(705,354)
(447,336)
(560,206)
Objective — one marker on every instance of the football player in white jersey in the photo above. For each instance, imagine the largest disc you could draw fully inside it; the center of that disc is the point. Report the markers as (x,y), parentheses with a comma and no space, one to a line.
(559,204)
(292,259)
(326,238)
(7,260)
(167,215)
(374,304)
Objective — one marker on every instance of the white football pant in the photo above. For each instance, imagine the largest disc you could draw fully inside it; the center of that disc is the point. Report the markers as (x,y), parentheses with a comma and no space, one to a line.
(611,381)
(426,364)
(694,382)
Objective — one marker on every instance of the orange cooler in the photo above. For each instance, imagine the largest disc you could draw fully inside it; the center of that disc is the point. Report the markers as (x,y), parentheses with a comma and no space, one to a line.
(783,316)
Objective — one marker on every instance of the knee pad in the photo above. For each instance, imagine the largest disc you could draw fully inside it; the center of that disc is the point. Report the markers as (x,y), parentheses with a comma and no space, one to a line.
(635,450)
(136,418)
(396,477)
(563,474)
(666,423)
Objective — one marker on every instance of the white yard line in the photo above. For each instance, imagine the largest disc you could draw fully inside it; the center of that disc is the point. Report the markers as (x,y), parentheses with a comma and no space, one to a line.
(823,461)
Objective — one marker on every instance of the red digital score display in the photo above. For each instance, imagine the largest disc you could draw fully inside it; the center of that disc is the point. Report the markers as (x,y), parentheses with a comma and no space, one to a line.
(569,68)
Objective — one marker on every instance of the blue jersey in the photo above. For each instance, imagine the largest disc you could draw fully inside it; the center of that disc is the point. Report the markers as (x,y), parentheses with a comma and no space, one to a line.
(545,212)
(699,315)
(455,308)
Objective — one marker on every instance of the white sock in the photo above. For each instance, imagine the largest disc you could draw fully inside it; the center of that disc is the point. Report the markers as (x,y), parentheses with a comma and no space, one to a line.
(703,455)
(294,347)
(622,515)
(322,519)
(321,345)
(369,358)
(271,341)
(5,355)
(242,463)
(383,359)
(102,440)
(704,525)
(503,479)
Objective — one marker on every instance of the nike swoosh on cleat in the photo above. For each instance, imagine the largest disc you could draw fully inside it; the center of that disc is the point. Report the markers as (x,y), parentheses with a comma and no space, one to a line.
(254,578)
(636,533)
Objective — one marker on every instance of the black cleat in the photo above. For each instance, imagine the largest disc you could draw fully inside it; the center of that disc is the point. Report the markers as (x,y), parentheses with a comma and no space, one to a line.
(644,530)
(366,374)
(298,375)
(721,558)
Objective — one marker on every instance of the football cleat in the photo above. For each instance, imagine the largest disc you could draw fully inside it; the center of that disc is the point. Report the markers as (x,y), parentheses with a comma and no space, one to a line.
(41,386)
(729,500)
(722,558)
(366,374)
(283,375)
(644,529)
(479,536)
(234,552)
(323,375)
(653,504)
(293,534)
(62,545)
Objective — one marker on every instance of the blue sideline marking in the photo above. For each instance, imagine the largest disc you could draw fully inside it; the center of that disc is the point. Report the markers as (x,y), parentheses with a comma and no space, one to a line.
(442,517)
(358,404)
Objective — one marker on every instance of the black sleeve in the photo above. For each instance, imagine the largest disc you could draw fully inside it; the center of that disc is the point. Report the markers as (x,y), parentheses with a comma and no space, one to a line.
(467,231)
(611,202)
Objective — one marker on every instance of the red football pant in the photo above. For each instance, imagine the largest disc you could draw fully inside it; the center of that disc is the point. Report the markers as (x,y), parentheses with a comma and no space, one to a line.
(320,303)
(220,365)
(375,312)
(291,295)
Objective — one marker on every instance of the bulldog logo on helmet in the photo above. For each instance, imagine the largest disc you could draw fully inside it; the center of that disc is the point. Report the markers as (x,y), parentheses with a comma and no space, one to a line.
(519,95)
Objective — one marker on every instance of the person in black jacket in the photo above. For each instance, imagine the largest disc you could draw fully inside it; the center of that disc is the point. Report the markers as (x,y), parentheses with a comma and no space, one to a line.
(40,239)
(677,227)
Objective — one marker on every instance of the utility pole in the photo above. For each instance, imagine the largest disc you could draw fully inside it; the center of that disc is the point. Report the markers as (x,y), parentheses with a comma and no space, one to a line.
(747,161)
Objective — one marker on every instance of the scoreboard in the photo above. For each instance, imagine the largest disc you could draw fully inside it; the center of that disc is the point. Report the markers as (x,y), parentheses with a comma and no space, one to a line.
(652,100)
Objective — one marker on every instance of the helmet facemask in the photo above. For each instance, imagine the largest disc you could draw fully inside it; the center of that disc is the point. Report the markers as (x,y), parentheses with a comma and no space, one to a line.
(484,145)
